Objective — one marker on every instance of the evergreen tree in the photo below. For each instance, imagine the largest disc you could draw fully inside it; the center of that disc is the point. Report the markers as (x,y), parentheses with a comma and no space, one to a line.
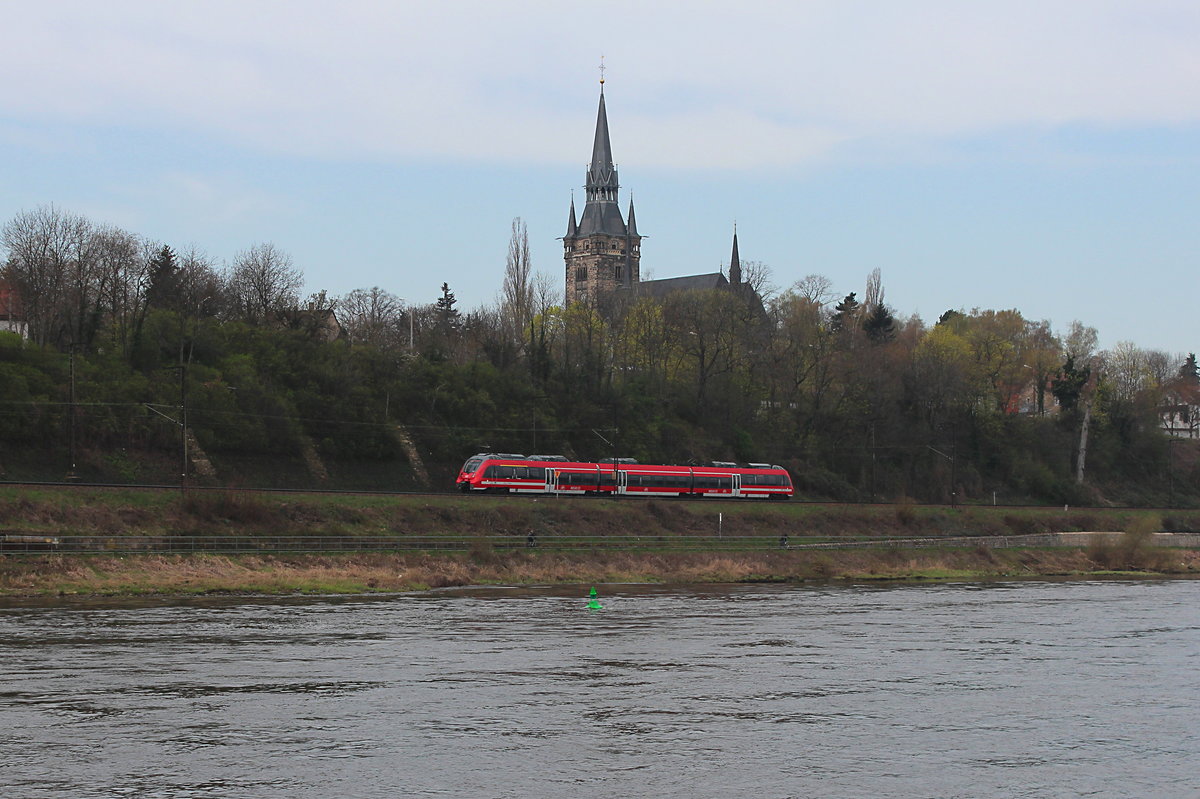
(1189,373)
(447,313)
(1069,385)
(163,291)
(846,310)
(880,325)
(949,316)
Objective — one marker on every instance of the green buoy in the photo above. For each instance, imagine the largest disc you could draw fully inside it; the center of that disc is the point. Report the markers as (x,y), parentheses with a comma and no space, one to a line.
(593,603)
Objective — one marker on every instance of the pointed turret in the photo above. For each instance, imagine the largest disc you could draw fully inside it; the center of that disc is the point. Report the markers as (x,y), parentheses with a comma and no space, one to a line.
(572,226)
(632,226)
(735,263)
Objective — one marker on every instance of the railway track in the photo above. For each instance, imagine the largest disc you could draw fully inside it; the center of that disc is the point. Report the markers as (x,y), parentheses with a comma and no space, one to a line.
(484,496)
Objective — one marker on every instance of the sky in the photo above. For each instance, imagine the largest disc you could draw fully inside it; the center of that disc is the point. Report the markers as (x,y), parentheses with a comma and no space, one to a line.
(1043,156)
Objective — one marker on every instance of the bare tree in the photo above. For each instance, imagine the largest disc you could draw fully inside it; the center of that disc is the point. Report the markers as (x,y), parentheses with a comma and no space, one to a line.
(1081,342)
(49,263)
(122,260)
(263,283)
(757,275)
(516,301)
(874,294)
(816,289)
(371,315)
(201,291)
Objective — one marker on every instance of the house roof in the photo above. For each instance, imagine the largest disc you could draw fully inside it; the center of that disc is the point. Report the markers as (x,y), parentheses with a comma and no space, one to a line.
(10,302)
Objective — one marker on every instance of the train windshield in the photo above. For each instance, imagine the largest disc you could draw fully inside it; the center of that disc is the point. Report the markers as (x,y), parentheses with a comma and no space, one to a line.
(471,465)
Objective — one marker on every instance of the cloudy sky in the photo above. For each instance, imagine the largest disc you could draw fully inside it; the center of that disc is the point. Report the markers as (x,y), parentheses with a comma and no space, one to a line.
(1043,156)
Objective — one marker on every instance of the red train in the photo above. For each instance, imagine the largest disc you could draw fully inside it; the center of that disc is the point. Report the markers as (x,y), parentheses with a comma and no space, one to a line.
(554,474)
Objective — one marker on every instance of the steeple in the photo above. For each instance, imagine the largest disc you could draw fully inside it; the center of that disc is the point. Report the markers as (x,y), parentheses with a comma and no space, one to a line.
(735,263)
(602,253)
(602,173)
(601,214)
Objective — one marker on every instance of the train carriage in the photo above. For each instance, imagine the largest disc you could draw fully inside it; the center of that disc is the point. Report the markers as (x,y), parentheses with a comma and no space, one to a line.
(554,474)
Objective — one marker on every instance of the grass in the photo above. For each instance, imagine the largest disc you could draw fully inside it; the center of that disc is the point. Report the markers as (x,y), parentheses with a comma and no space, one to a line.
(119,511)
(597,531)
(391,572)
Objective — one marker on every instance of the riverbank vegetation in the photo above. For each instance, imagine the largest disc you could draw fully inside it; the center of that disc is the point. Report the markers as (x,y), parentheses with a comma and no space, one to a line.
(51,575)
(147,365)
(486,540)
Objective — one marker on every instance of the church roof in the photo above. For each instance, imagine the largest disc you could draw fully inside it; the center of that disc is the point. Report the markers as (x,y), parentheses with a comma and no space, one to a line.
(670,285)
(601,217)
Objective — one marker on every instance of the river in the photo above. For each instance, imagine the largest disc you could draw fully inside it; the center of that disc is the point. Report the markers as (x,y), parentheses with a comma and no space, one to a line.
(1022,689)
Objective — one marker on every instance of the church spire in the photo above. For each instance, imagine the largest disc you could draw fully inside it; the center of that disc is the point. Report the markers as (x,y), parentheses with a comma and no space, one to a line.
(632,226)
(735,263)
(600,213)
(602,173)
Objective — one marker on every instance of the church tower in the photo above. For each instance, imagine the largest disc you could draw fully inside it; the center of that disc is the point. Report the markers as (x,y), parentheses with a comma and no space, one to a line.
(602,252)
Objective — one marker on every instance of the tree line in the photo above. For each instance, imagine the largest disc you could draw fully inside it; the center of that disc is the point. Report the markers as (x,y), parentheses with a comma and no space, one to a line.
(857,401)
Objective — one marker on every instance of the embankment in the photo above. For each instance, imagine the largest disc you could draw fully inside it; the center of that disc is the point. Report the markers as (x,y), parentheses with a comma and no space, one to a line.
(87,537)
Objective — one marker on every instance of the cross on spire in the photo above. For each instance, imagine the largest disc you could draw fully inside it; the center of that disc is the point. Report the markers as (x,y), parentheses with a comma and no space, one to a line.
(602,68)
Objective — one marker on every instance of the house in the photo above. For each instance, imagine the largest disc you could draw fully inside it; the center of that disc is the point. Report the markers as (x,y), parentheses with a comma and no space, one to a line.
(1179,413)
(12,316)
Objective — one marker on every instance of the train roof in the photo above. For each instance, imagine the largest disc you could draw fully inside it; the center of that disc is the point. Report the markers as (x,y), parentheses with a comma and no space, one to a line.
(711,465)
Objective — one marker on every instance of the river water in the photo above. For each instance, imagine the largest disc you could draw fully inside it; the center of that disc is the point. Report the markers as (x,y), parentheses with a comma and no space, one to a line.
(1027,689)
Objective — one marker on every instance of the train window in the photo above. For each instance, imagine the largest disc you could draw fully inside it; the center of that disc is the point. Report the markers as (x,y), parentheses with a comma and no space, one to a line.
(724,482)
(536,472)
(750,480)
(472,465)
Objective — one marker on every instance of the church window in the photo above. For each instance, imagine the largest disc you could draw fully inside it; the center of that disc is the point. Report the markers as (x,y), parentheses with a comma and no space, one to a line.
(581,273)
(617,273)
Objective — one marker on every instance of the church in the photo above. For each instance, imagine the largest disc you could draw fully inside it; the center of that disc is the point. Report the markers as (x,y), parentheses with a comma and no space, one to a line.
(603,251)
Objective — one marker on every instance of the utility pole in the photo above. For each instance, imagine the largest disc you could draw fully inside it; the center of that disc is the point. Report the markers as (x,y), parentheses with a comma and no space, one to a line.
(71,475)
(183,428)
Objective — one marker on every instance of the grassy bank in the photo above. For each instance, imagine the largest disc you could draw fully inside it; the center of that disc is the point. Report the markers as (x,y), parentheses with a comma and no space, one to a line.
(123,511)
(484,525)
(387,572)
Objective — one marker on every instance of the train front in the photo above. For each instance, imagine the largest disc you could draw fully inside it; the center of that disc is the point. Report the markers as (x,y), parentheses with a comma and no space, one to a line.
(470,473)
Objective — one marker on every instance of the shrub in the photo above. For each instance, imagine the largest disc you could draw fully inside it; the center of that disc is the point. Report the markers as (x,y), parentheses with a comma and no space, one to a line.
(906,512)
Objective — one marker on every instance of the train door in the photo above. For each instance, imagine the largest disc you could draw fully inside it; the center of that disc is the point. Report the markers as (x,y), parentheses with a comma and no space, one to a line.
(622,481)
(551,480)
(737,485)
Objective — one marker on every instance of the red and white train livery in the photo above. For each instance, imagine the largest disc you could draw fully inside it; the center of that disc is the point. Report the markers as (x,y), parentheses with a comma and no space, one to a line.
(554,474)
